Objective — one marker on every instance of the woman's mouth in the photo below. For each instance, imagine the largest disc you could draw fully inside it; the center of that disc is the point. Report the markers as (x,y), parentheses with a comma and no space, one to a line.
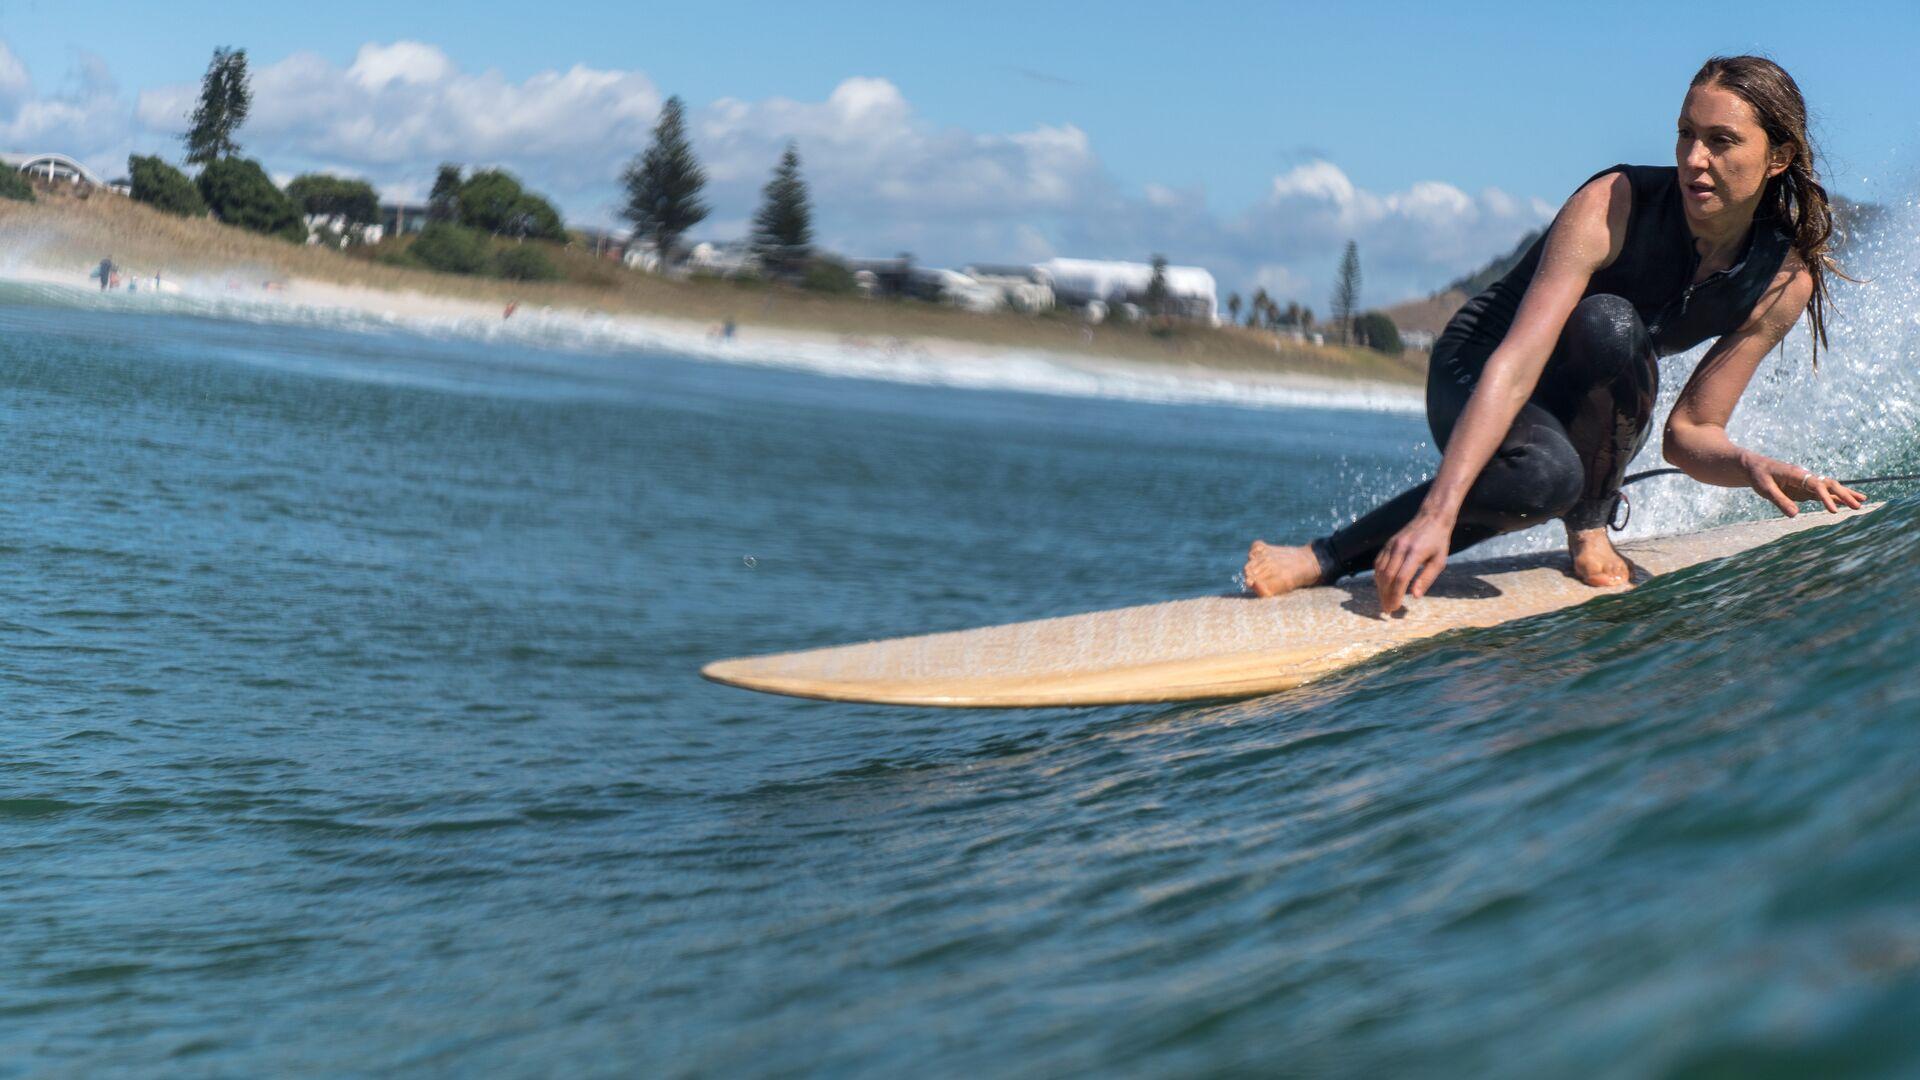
(1699,189)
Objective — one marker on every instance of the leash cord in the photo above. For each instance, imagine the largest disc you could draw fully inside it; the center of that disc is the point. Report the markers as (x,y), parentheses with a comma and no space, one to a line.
(1651,473)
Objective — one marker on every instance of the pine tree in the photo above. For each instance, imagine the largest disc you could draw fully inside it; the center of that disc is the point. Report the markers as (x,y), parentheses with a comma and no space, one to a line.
(1346,291)
(443,205)
(225,99)
(663,184)
(1159,299)
(783,227)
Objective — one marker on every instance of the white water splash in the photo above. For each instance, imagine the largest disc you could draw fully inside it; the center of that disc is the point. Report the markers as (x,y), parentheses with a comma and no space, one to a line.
(1859,415)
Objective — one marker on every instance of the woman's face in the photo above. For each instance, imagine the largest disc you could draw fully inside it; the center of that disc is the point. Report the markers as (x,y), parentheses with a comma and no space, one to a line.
(1722,153)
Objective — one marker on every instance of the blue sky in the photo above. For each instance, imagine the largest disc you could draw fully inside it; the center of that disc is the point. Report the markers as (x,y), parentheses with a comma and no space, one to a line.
(1248,138)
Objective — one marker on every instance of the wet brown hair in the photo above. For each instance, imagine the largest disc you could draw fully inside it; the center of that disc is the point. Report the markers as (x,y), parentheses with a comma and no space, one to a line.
(1795,198)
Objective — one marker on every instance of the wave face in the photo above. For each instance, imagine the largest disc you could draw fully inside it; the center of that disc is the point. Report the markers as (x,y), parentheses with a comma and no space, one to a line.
(354,726)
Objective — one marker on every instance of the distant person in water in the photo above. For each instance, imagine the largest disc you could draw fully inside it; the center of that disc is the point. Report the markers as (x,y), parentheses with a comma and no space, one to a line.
(106,273)
(1541,389)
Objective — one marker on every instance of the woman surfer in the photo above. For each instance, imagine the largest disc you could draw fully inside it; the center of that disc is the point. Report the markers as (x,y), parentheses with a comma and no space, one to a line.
(1541,388)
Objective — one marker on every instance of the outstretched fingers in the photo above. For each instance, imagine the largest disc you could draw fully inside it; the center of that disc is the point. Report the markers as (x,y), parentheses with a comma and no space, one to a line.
(1766,486)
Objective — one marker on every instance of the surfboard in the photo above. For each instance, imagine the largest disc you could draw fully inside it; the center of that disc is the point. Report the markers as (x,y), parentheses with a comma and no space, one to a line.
(1212,646)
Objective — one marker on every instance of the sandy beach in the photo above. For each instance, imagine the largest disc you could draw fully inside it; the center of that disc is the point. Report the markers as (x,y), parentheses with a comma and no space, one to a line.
(208,268)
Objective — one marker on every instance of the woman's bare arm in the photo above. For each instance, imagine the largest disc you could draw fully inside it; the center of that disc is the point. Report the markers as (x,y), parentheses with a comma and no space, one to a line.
(1582,240)
(1586,236)
(1696,438)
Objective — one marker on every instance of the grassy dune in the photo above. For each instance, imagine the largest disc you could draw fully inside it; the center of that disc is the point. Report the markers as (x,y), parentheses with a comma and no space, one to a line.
(63,232)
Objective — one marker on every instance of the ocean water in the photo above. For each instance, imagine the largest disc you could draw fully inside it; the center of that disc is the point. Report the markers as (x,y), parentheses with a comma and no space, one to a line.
(353,727)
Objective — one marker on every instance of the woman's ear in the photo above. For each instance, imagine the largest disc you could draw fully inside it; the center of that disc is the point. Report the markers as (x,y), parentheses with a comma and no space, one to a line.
(1779,157)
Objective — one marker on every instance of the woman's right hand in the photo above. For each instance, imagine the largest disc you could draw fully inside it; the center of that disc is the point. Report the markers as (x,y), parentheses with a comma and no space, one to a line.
(1412,559)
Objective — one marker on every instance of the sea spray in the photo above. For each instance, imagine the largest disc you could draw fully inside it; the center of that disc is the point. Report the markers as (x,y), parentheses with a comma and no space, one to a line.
(1857,415)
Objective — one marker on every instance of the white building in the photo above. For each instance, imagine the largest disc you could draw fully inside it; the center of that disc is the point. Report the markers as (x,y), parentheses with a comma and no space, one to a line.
(53,168)
(956,288)
(1022,288)
(642,255)
(1081,281)
(336,230)
(728,259)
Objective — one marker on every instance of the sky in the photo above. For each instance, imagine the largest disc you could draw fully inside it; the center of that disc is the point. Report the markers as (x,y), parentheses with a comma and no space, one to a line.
(1251,139)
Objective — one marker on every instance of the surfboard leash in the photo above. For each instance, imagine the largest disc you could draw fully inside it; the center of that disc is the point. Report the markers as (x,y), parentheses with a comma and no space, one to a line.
(1626,504)
(1651,473)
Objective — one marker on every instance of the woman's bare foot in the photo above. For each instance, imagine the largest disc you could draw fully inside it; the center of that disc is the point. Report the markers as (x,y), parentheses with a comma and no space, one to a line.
(1594,559)
(1273,570)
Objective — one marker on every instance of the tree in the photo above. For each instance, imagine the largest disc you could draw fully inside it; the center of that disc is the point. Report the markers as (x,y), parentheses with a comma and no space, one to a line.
(238,192)
(225,99)
(164,187)
(493,201)
(1376,331)
(783,227)
(524,262)
(1158,298)
(450,248)
(443,205)
(663,184)
(1346,291)
(1233,307)
(352,201)
(14,186)
(1259,309)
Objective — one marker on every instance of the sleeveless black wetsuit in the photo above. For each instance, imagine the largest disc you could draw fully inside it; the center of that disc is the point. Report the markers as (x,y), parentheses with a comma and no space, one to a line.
(1568,449)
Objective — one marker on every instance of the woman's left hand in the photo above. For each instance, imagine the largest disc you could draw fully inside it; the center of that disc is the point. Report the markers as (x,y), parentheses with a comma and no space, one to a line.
(1786,485)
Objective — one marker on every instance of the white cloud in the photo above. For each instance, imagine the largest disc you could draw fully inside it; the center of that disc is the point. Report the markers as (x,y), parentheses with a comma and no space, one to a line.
(401,108)
(884,178)
(15,85)
(410,62)
(1278,281)
(86,118)
(1410,241)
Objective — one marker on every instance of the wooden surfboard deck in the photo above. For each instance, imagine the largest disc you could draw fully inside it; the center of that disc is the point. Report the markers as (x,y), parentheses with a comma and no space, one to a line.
(1211,646)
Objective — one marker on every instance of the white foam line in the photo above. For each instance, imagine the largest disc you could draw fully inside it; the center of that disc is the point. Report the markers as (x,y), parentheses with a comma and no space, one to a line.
(917,362)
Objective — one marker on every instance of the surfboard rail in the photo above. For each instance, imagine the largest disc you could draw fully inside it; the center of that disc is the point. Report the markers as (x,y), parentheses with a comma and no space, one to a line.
(1211,647)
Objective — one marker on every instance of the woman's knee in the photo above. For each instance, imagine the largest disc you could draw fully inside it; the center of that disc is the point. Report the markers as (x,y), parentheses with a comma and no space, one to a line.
(1530,483)
(1609,324)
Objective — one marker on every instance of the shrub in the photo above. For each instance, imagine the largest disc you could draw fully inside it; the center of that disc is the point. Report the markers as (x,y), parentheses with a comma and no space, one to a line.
(164,187)
(524,262)
(352,200)
(14,186)
(1377,332)
(450,249)
(493,201)
(827,276)
(238,192)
